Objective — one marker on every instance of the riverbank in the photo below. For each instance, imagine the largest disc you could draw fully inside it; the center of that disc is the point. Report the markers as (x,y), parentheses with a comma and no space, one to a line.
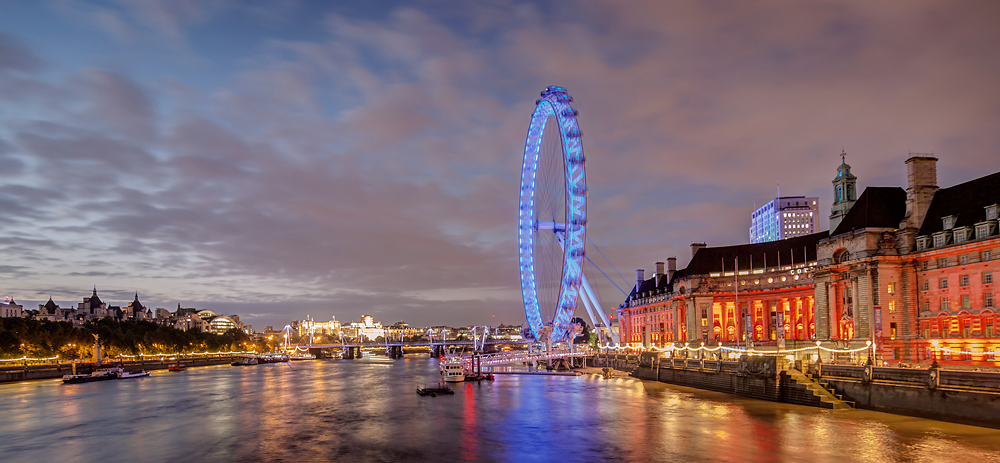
(961,396)
(13,373)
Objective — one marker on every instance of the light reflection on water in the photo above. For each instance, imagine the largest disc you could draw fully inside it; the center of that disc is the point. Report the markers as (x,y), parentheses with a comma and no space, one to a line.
(348,410)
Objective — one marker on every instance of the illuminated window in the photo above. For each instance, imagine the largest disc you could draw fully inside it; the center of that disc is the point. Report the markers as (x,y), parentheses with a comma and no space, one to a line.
(966,302)
(892,306)
(891,287)
(892,331)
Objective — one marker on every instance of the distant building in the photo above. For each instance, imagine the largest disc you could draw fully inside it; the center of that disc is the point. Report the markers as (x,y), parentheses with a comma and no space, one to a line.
(9,308)
(137,311)
(312,327)
(367,329)
(785,217)
(163,314)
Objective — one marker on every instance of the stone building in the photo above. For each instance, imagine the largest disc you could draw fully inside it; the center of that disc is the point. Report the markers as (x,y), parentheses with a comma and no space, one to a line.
(910,272)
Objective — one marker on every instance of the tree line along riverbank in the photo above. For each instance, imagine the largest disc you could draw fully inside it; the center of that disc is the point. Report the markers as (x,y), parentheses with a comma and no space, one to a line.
(20,337)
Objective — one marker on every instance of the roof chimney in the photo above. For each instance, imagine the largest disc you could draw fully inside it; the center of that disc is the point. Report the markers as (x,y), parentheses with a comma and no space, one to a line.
(659,273)
(671,268)
(695,247)
(921,176)
(640,276)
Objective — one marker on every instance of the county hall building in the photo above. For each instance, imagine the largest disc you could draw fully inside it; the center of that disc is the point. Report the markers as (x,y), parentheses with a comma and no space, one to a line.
(909,270)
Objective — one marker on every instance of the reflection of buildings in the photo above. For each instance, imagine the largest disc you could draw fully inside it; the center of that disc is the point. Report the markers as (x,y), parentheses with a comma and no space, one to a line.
(910,270)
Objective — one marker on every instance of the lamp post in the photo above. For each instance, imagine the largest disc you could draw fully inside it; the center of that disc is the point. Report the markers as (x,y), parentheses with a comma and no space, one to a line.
(868,343)
(934,362)
(819,359)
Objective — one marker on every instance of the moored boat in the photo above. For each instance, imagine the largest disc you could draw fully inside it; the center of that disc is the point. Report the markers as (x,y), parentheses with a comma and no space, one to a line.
(101,374)
(244,361)
(175,367)
(452,370)
(132,374)
(434,391)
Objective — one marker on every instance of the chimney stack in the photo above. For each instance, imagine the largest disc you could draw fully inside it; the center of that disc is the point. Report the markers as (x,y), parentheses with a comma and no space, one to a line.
(659,273)
(640,276)
(921,176)
(695,247)
(671,268)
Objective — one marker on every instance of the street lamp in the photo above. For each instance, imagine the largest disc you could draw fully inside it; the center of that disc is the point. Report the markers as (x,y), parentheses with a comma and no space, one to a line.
(868,349)
(818,358)
(934,363)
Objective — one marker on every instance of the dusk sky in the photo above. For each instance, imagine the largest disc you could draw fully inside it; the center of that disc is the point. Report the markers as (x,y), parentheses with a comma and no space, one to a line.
(278,159)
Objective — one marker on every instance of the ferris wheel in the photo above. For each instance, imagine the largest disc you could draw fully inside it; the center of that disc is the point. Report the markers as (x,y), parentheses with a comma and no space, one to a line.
(552,219)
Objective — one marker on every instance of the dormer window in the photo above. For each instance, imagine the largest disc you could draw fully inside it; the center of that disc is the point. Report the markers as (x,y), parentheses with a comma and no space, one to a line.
(991,212)
(949,222)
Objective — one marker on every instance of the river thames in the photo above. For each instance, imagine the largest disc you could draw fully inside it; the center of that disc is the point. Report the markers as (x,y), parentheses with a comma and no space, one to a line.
(346,410)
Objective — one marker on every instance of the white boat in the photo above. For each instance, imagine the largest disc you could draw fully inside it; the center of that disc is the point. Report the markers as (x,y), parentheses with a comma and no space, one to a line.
(452,369)
(132,374)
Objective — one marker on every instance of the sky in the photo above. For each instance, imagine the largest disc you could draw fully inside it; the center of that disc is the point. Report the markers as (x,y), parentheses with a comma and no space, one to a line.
(282,159)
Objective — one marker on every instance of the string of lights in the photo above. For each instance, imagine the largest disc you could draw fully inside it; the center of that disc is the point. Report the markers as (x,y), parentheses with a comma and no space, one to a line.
(29,359)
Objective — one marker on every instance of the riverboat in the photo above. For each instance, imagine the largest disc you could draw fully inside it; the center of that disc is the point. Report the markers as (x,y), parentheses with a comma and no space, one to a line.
(434,391)
(452,370)
(175,367)
(101,374)
(132,374)
(244,361)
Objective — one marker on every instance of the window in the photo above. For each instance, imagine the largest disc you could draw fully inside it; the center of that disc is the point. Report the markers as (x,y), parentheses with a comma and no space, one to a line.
(892,306)
(939,240)
(987,277)
(891,287)
(991,212)
(982,231)
(927,306)
(892,331)
(966,303)
(925,285)
(949,222)
(944,303)
(987,255)
(964,259)
(923,265)
(943,262)
(988,300)
(963,280)
(942,283)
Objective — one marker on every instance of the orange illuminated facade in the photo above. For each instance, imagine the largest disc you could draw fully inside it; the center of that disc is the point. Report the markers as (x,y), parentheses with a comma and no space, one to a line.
(912,272)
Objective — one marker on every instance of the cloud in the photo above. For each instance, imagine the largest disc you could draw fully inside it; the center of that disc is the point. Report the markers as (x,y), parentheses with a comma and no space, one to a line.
(367,162)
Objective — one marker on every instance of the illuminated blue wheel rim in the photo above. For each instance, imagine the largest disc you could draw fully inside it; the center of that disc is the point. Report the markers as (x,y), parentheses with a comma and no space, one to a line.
(552,215)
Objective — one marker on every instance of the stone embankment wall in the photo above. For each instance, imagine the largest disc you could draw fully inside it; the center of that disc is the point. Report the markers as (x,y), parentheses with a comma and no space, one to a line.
(9,373)
(954,395)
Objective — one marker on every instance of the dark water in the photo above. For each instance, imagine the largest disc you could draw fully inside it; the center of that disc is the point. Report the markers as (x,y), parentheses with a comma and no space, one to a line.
(351,411)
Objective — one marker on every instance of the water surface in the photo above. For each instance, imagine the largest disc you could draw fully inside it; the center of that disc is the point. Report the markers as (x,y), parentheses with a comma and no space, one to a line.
(350,411)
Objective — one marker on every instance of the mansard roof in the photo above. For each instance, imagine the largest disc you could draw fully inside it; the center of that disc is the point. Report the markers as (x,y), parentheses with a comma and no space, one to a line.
(797,250)
(51,306)
(966,201)
(878,207)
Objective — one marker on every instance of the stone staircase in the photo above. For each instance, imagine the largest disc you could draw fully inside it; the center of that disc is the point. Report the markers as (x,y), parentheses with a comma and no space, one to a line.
(828,397)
